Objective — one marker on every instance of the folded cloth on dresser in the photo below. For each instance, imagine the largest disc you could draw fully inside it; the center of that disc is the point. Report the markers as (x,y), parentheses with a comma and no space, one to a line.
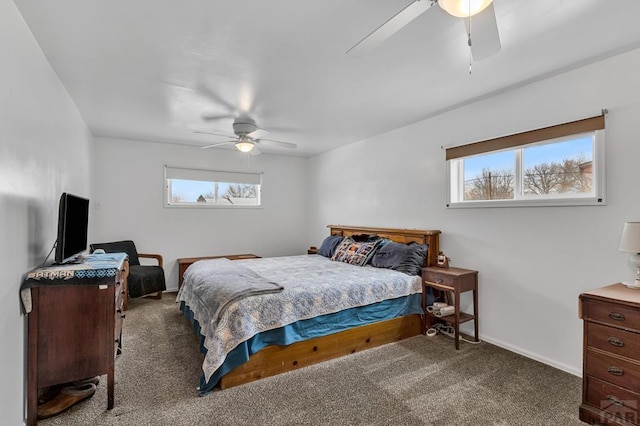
(231,283)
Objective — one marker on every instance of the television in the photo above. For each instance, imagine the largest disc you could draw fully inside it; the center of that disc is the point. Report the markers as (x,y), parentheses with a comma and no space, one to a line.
(73,223)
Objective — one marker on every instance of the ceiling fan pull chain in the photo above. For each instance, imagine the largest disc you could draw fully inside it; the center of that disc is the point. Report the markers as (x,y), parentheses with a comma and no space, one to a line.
(469,40)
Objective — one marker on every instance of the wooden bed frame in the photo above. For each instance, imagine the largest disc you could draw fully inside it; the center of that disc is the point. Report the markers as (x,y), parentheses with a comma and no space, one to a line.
(274,360)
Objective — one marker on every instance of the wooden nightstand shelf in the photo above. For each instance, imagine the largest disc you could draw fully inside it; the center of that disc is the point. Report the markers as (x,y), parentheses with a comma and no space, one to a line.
(456,280)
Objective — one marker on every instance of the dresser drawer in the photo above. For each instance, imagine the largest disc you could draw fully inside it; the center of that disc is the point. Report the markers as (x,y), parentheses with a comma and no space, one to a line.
(623,373)
(611,313)
(440,279)
(613,399)
(614,340)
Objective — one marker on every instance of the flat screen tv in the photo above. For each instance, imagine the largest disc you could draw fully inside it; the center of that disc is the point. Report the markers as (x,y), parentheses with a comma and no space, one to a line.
(73,222)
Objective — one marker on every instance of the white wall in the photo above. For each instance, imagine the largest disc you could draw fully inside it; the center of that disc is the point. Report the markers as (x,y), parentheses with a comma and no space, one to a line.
(129,188)
(44,151)
(533,262)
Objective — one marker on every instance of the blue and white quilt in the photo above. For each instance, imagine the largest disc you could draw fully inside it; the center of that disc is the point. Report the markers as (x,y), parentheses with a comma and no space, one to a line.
(312,286)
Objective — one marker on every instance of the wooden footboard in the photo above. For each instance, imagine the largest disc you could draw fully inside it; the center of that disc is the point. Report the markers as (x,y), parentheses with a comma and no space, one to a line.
(274,360)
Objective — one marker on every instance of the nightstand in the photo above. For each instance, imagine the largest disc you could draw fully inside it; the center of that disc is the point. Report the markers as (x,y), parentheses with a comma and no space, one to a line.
(456,280)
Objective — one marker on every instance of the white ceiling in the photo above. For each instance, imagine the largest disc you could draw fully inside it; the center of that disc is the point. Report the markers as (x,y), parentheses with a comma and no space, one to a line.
(149,70)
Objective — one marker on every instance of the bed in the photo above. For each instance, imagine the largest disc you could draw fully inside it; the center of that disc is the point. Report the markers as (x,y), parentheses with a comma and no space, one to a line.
(302,310)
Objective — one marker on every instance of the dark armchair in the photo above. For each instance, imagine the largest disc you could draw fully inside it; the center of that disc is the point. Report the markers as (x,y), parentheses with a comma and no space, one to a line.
(143,279)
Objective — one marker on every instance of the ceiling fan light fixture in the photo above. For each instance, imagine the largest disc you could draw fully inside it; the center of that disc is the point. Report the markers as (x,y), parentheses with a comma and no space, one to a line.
(244,145)
(464,8)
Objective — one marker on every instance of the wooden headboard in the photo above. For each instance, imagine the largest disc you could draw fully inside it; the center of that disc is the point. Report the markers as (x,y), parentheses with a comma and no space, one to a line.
(405,236)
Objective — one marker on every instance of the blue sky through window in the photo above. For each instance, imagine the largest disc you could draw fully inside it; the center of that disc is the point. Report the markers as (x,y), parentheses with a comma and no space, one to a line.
(505,160)
(190,190)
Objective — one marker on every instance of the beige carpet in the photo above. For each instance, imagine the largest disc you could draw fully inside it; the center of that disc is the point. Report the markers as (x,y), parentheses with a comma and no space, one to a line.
(419,381)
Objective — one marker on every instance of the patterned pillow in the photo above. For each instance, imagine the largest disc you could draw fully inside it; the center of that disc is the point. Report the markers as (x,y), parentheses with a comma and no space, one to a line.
(355,253)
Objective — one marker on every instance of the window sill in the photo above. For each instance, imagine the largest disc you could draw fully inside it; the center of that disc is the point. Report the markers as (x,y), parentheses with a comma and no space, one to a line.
(565,202)
(208,206)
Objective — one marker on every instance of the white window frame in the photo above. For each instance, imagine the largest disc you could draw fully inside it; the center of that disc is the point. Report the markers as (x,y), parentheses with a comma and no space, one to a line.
(213,176)
(455,179)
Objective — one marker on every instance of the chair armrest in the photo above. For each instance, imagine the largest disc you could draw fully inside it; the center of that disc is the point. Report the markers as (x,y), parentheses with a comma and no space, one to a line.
(152,256)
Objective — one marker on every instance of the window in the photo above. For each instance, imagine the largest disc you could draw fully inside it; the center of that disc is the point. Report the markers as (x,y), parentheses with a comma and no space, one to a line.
(558,165)
(185,187)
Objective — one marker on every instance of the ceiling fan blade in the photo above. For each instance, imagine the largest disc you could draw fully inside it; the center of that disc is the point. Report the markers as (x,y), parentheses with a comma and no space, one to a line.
(276,144)
(204,132)
(389,28)
(217,144)
(212,117)
(485,40)
(257,134)
(204,90)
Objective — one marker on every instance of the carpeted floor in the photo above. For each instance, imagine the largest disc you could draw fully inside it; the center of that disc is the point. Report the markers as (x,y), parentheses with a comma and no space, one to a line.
(419,381)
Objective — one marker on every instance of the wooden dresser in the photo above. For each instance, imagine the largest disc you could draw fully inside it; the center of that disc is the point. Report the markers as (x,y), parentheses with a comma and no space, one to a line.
(74,324)
(611,357)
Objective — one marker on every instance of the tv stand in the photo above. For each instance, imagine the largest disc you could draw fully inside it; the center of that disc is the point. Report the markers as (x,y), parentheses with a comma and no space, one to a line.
(74,323)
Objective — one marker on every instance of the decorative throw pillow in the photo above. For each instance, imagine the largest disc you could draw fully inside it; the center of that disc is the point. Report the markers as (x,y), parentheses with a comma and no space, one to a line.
(407,258)
(329,245)
(355,253)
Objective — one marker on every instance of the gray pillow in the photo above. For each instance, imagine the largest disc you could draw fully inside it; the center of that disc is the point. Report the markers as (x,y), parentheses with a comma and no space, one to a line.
(407,258)
(329,245)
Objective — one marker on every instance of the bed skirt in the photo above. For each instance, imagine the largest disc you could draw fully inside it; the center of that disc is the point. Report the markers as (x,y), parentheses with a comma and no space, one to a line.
(303,330)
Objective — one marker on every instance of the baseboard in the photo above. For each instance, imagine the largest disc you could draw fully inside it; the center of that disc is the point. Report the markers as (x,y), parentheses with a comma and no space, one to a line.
(534,356)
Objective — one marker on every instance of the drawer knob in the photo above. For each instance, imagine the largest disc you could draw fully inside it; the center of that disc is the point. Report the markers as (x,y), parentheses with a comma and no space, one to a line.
(615,371)
(616,316)
(616,342)
(438,280)
(614,400)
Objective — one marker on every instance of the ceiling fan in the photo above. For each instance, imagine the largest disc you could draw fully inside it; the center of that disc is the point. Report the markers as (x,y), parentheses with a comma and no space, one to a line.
(486,40)
(248,137)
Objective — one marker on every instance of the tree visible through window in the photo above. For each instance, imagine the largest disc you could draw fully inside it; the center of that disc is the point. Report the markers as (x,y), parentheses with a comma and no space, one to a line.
(572,175)
(238,192)
(490,185)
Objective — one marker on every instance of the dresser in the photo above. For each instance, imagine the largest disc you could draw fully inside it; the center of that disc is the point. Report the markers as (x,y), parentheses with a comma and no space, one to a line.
(75,318)
(611,355)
